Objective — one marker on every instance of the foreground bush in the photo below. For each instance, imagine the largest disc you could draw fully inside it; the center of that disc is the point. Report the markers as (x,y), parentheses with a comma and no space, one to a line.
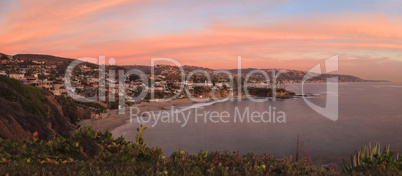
(88,152)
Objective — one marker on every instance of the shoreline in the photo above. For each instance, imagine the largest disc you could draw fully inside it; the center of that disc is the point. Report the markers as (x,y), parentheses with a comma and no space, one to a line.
(114,120)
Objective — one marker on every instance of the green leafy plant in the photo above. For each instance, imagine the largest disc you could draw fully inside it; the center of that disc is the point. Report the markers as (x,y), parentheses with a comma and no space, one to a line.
(370,158)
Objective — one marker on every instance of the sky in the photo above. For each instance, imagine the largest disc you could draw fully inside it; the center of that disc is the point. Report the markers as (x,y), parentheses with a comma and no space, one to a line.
(289,34)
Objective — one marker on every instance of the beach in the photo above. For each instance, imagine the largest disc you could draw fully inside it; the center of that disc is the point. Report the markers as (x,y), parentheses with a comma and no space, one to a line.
(112,119)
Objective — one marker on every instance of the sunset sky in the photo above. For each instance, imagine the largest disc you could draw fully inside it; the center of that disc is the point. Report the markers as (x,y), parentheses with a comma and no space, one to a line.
(366,34)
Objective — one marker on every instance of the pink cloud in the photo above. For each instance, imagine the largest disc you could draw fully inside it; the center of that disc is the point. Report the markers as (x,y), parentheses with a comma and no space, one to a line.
(66,29)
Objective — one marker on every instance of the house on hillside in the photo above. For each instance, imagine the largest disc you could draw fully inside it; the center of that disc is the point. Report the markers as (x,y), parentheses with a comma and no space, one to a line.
(30,78)
(59,88)
(5,61)
(47,85)
(18,76)
(38,62)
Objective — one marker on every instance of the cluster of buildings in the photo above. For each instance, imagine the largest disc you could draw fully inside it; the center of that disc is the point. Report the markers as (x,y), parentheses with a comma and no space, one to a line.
(57,87)
(85,79)
(33,73)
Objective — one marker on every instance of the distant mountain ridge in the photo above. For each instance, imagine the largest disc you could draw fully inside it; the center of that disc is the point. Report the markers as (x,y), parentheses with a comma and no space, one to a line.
(46,58)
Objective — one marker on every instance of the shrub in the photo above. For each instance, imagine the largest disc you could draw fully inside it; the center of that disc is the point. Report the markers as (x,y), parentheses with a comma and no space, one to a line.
(88,152)
(375,161)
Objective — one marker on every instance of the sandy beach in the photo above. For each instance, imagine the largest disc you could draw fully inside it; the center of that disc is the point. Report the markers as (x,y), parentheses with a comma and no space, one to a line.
(112,119)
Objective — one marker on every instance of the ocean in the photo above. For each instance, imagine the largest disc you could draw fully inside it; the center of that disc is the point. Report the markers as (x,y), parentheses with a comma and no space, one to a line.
(367,112)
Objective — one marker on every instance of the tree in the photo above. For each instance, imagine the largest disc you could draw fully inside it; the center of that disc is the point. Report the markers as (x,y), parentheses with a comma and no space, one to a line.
(41,76)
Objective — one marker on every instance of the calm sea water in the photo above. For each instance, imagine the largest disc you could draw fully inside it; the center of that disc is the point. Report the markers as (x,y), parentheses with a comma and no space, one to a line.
(367,112)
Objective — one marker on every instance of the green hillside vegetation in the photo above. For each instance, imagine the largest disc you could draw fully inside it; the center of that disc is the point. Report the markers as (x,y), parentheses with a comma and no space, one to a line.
(28,103)
(76,111)
(25,109)
(28,96)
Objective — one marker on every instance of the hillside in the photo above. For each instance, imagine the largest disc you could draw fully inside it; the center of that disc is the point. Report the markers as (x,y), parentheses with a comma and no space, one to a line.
(26,109)
(297,75)
(45,58)
(3,56)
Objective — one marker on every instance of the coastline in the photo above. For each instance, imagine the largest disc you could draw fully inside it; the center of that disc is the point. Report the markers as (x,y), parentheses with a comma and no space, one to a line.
(112,119)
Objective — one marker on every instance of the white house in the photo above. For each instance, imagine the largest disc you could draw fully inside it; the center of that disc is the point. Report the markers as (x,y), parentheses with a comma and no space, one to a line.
(18,76)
